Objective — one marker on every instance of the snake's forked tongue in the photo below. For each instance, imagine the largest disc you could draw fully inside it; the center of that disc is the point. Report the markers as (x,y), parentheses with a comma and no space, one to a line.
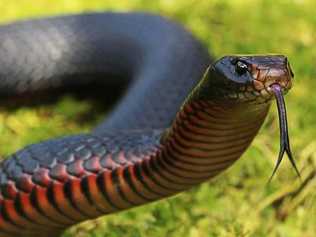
(284,136)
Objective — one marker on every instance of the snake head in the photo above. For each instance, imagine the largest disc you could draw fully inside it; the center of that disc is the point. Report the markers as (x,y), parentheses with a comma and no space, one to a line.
(253,79)
(249,78)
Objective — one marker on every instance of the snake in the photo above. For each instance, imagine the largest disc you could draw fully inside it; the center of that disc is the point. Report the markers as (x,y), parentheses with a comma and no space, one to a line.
(182,117)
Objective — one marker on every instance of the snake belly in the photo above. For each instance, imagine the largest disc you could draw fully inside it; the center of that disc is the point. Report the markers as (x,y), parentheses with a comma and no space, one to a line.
(154,144)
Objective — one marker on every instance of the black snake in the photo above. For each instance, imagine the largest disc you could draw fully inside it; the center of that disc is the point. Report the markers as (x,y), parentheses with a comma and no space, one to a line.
(183,118)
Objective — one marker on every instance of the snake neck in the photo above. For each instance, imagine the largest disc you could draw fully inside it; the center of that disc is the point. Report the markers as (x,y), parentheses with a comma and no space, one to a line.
(207,137)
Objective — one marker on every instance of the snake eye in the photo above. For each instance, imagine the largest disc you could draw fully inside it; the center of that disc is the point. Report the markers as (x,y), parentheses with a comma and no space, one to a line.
(241,67)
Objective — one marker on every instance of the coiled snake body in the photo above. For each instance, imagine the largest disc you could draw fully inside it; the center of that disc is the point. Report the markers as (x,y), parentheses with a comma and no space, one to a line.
(182,120)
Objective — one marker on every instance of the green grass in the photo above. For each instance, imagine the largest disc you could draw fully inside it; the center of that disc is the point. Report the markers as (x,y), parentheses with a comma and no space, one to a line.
(238,202)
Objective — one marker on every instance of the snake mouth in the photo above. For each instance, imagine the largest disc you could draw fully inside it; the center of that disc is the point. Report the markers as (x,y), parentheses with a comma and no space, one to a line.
(267,76)
(266,79)
(258,92)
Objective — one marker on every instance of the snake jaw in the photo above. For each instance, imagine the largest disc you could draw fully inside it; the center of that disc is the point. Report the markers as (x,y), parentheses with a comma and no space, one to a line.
(284,136)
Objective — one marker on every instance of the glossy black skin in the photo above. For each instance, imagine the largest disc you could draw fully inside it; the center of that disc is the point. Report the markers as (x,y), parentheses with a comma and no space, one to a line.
(158,61)
(155,59)
(156,81)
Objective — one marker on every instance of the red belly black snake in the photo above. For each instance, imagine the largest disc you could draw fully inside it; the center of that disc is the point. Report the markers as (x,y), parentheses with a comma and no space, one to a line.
(183,117)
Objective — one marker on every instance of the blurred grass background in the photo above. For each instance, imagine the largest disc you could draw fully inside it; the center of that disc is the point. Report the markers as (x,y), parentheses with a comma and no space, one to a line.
(238,202)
